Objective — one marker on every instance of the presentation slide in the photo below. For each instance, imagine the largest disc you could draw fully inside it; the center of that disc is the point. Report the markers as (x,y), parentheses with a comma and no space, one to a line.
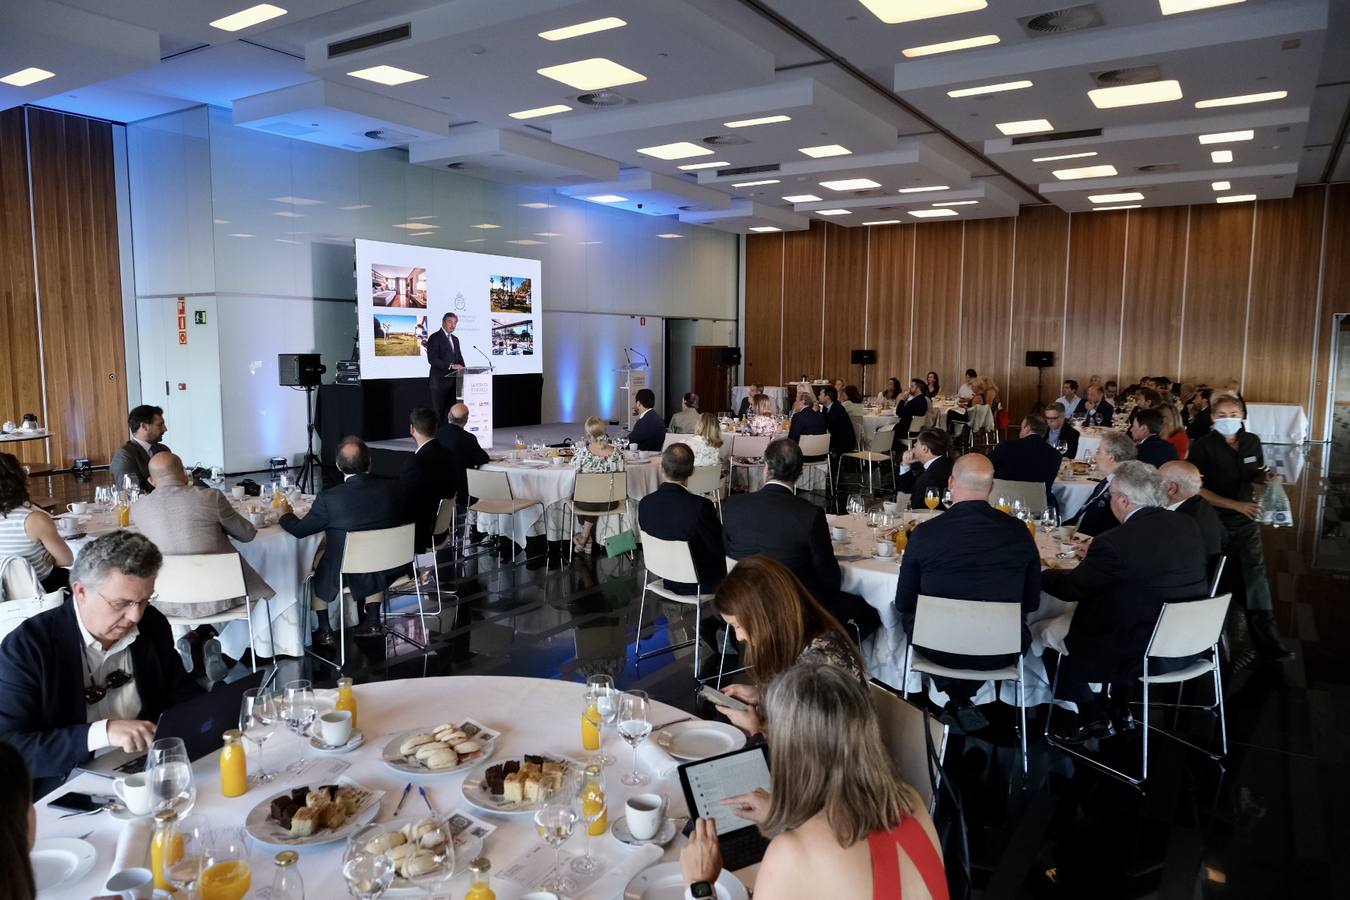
(402,291)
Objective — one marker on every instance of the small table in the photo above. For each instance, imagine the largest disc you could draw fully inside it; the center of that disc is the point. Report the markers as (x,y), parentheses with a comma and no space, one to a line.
(18,435)
(1277,423)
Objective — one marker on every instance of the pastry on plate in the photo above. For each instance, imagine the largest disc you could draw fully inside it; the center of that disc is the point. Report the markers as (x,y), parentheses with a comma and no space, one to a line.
(385,842)
(305,821)
(412,742)
(442,759)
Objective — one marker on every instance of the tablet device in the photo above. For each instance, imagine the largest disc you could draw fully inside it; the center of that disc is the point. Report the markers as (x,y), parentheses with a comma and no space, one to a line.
(707,782)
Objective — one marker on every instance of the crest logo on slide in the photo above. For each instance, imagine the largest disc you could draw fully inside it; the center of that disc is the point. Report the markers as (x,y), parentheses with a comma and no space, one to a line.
(460,303)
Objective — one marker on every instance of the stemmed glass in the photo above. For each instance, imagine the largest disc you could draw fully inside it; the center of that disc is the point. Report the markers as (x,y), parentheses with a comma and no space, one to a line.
(196,835)
(1063,448)
(855,504)
(444,855)
(590,807)
(1049,520)
(601,688)
(300,707)
(169,773)
(930,498)
(368,874)
(555,822)
(634,726)
(226,873)
(258,716)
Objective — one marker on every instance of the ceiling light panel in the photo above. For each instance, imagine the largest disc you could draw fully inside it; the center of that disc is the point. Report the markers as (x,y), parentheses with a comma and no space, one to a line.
(1235,198)
(677,150)
(923,190)
(1241,99)
(692,167)
(592,74)
(834,212)
(1227,137)
(541,111)
(764,229)
(1221,156)
(983,40)
(1109,208)
(931,213)
(1026,126)
(670,235)
(825,150)
(893,12)
(745,184)
(1220,185)
(1172,7)
(582,28)
(537,205)
(1135,94)
(763,120)
(802,198)
(389,75)
(1116,198)
(247,18)
(851,184)
(989,89)
(1065,156)
(485,226)
(25,77)
(1085,172)
(884,222)
(958,203)
(607,198)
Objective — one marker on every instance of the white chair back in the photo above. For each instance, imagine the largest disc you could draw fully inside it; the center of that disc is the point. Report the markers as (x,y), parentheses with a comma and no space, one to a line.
(673,437)
(706,480)
(859,432)
(731,563)
(1188,628)
(814,445)
(884,440)
(445,516)
(980,418)
(600,487)
(749,446)
(200,578)
(21,594)
(970,627)
(902,725)
(489,485)
(668,560)
(1031,493)
(378,549)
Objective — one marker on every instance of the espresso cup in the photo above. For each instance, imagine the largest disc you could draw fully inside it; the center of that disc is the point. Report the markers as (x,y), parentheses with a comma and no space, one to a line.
(134,792)
(79,508)
(335,728)
(885,548)
(238,492)
(67,526)
(1066,549)
(645,814)
(839,533)
(132,884)
(888,507)
(557,460)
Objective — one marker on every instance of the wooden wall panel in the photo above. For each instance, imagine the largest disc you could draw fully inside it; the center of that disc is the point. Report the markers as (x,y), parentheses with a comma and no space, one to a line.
(846,302)
(985,302)
(1092,307)
(937,304)
(803,299)
(1335,299)
(1038,301)
(1155,273)
(890,275)
(1218,261)
(20,366)
(79,279)
(1283,310)
(763,309)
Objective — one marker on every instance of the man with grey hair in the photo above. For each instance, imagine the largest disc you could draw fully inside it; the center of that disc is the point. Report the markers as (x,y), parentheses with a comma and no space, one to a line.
(1152,557)
(97,671)
(1182,481)
(1095,516)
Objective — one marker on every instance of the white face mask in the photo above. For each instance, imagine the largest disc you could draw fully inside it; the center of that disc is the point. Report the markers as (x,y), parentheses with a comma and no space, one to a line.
(1227,427)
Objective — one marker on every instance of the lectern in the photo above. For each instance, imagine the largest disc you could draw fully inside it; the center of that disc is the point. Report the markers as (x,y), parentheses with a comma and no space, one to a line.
(475,391)
(632,379)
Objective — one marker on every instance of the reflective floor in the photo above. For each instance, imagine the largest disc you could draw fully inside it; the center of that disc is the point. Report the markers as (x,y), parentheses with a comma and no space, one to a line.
(1269,820)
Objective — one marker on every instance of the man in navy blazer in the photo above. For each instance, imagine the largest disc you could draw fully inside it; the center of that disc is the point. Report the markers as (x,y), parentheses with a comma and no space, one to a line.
(65,693)
(1029,458)
(648,432)
(1183,481)
(1145,428)
(464,448)
(806,419)
(446,361)
(1096,516)
(671,513)
(1096,410)
(837,422)
(430,474)
(927,467)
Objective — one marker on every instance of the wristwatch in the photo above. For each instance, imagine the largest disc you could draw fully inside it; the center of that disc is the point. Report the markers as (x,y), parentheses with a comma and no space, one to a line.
(700,890)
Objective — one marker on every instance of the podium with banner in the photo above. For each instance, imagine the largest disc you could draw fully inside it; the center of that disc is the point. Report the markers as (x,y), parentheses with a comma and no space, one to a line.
(475,391)
(634,379)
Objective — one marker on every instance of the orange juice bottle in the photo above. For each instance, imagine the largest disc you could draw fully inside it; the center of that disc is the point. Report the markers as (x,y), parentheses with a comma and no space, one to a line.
(233,765)
(590,726)
(901,540)
(346,699)
(593,801)
(276,496)
(166,848)
(480,886)
(123,514)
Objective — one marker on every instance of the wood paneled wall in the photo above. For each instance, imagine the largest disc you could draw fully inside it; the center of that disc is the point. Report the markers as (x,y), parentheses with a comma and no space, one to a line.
(60,277)
(1205,293)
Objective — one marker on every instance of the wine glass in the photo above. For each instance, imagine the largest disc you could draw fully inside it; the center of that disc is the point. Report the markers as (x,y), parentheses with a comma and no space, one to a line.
(947,498)
(634,726)
(601,687)
(591,806)
(226,874)
(930,498)
(435,879)
(555,822)
(1049,520)
(1003,505)
(196,836)
(258,721)
(300,707)
(1063,448)
(169,773)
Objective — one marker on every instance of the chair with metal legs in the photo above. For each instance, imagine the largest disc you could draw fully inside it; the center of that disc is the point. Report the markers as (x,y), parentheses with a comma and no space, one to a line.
(201,578)
(671,561)
(369,552)
(493,497)
(606,493)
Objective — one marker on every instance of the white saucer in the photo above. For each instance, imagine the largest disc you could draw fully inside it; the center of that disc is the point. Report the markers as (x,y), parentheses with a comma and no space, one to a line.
(620,831)
(356,740)
(60,861)
(121,812)
(891,558)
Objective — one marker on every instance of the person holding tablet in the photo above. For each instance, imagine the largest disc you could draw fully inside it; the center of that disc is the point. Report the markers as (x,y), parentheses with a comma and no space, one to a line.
(842,824)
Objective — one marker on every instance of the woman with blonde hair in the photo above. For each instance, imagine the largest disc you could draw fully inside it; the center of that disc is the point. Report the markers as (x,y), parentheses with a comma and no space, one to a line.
(1172,430)
(598,456)
(763,422)
(706,441)
(841,822)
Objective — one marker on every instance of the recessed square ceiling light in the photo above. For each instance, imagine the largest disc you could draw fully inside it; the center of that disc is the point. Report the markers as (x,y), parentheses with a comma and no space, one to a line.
(247,18)
(983,40)
(1084,172)
(1235,198)
(834,212)
(802,198)
(1116,198)
(1172,7)
(989,89)
(25,77)
(485,226)
(525,242)
(474,240)
(923,190)
(1220,185)
(537,205)
(893,12)
(764,120)
(415,218)
(390,75)
(755,183)
(1221,156)
(677,150)
(541,111)
(592,74)
(1065,156)
(931,213)
(284,241)
(1241,99)
(607,198)
(825,150)
(1026,126)
(1136,94)
(591,27)
(764,228)
(958,203)
(1227,137)
(850,184)
(1109,208)
(299,201)
(670,236)
(884,222)
(707,165)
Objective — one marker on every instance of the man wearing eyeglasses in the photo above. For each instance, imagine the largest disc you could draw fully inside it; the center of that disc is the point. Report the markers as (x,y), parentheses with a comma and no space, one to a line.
(96,672)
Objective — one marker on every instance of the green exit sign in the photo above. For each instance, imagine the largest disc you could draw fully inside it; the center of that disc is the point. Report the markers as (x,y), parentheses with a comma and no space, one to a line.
(199,316)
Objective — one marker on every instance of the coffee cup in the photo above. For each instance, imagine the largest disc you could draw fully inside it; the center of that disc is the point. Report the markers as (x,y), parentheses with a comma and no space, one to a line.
(888,507)
(645,814)
(632,445)
(67,526)
(839,533)
(1066,549)
(335,728)
(557,460)
(885,548)
(258,519)
(134,792)
(238,492)
(132,884)
(79,508)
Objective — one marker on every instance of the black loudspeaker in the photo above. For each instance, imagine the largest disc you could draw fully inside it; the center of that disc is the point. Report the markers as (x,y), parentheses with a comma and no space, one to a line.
(1040,359)
(729,356)
(299,369)
(864,357)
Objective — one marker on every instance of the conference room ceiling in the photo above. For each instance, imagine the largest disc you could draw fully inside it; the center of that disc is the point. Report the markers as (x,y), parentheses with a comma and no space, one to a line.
(859,113)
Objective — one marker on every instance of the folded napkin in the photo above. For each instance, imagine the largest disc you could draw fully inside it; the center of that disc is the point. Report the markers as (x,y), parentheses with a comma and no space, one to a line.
(133,846)
(655,760)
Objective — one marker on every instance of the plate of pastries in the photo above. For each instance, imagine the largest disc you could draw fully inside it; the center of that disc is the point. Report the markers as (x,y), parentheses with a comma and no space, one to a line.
(440,749)
(310,815)
(516,785)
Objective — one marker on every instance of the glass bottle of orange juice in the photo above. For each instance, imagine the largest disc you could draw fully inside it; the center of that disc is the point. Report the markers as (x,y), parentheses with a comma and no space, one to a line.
(593,801)
(590,724)
(346,699)
(166,847)
(480,886)
(901,539)
(276,496)
(233,765)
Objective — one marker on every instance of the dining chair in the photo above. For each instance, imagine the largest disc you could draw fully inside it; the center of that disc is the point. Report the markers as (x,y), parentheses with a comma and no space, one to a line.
(815,454)
(369,552)
(493,497)
(597,489)
(21,594)
(208,578)
(671,561)
(880,452)
(902,725)
(706,481)
(747,452)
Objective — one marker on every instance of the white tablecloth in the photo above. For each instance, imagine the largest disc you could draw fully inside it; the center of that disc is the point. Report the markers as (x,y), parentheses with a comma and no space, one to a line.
(779,396)
(1071,493)
(1277,423)
(534,715)
(554,484)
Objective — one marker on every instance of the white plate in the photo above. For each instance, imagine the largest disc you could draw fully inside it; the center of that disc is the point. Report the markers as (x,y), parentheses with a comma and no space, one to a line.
(476,791)
(356,740)
(60,861)
(666,882)
(262,829)
(699,739)
(398,762)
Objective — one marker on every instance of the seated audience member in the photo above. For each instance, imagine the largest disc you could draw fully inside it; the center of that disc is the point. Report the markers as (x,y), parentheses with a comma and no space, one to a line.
(1173,431)
(776,523)
(853,404)
(686,420)
(1096,409)
(133,458)
(1153,556)
(763,423)
(837,422)
(18,826)
(1060,431)
(782,626)
(1029,458)
(1096,516)
(706,441)
(839,386)
(1199,420)
(97,671)
(1146,398)
(971,552)
(967,388)
(1182,481)
(671,513)
(360,503)
(893,391)
(29,532)
(933,384)
(181,519)
(914,407)
(1070,401)
(648,431)
(748,401)
(464,449)
(431,474)
(1145,425)
(1094,379)
(598,457)
(927,467)
(842,822)
(1109,392)
(806,419)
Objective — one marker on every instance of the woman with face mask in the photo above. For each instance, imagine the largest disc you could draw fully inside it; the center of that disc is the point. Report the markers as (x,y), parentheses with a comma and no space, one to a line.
(1231,461)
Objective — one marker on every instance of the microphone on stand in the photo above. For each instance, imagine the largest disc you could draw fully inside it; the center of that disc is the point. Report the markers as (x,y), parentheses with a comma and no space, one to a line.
(484,355)
(626,358)
(646,362)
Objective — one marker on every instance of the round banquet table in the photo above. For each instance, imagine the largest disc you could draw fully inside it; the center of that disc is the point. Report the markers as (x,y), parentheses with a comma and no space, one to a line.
(1071,492)
(534,715)
(18,435)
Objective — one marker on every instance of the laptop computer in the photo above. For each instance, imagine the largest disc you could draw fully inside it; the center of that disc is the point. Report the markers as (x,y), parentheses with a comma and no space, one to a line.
(200,722)
(707,782)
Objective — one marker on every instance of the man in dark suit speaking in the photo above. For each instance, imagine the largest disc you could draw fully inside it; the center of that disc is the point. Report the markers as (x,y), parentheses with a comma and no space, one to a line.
(446,362)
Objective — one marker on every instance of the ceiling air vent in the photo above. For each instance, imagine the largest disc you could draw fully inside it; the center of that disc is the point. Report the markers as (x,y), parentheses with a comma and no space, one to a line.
(747,170)
(454,165)
(1061,21)
(1056,136)
(1152,168)
(390,136)
(725,140)
(603,99)
(367,41)
(1134,75)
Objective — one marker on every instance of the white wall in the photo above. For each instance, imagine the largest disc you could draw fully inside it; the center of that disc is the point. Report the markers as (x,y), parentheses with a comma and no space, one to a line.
(197,181)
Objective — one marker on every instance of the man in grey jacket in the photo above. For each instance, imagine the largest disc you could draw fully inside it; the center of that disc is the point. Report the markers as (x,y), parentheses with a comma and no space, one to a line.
(147,427)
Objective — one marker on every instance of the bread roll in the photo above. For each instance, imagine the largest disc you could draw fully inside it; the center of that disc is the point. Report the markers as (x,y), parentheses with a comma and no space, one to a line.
(451,736)
(398,854)
(432,839)
(416,830)
(464,748)
(412,742)
(419,863)
(441,759)
(386,841)
(427,749)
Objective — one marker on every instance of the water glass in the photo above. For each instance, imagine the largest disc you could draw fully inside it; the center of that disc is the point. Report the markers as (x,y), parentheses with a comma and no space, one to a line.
(601,688)
(258,716)
(634,726)
(299,706)
(1049,520)
(196,834)
(168,771)
(368,875)
(434,881)
(555,823)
